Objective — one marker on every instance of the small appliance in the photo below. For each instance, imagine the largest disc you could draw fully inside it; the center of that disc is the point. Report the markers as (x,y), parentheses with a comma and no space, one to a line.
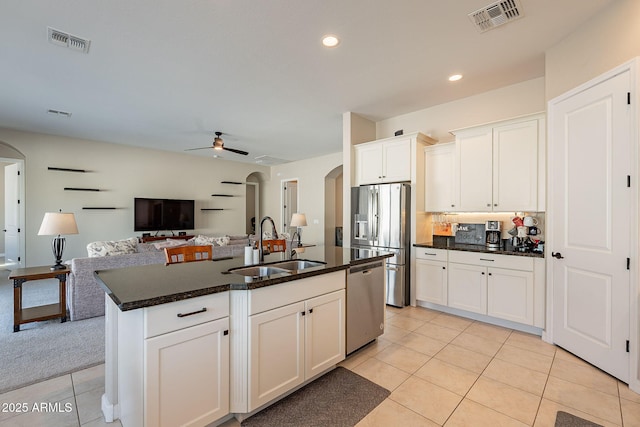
(492,239)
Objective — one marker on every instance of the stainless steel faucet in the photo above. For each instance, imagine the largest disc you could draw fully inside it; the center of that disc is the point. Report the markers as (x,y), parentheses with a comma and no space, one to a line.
(292,252)
(275,235)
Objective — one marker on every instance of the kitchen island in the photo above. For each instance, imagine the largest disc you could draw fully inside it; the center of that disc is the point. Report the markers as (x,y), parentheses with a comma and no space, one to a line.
(188,344)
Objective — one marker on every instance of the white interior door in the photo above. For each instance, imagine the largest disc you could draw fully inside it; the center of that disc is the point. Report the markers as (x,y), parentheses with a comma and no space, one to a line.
(289,204)
(590,207)
(11,215)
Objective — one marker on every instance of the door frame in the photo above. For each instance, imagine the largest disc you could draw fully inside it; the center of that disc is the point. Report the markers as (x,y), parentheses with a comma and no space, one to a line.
(22,251)
(283,184)
(633,66)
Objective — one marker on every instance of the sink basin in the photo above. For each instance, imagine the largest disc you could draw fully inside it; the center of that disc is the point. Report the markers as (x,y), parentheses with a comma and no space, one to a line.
(300,264)
(258,271)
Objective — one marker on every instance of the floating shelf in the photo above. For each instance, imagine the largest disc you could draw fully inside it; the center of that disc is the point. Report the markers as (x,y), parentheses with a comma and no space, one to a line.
(81,189)
(98,208)
(232,182)
(51,168)
(223,195)
(211,209)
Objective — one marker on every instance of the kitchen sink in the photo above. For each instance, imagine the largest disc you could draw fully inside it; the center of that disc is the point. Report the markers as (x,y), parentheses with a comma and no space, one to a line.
(258,271)
(300,264)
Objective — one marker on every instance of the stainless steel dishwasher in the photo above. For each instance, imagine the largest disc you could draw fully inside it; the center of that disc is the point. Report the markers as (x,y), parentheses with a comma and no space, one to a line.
(365,304)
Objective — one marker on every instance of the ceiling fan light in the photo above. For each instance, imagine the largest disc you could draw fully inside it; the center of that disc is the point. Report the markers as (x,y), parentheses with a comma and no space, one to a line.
(217,143)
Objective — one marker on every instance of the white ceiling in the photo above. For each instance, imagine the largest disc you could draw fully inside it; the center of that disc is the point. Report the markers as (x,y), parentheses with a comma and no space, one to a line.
(166,74)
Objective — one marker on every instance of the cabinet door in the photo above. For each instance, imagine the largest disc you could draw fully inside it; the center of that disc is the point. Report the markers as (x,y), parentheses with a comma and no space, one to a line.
(510,295)
(187,376)
(467,287)
(396,160)
(440,178)
(324,332)
(368,163)
(276,346)
(431,281)
(515,167)
(474,161)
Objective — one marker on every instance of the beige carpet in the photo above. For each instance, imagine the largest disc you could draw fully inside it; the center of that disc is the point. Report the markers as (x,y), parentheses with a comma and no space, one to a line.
(43,350)
(339,398)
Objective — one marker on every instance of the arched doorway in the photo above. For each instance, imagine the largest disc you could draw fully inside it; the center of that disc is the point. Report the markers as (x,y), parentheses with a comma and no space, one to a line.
(252,209)
(333,218)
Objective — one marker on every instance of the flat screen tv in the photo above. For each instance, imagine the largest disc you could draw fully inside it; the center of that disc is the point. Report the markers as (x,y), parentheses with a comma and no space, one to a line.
(163,214)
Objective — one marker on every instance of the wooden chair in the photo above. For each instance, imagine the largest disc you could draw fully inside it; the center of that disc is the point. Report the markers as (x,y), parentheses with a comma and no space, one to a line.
(188,254)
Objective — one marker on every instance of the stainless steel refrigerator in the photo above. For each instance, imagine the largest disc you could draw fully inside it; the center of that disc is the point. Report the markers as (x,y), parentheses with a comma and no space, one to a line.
(381,219)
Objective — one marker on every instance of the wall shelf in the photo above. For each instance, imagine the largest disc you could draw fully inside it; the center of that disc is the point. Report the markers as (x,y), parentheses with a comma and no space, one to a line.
(211,209)
(232,182)
(223,195)
(52,168)
(81,189)
(98,208)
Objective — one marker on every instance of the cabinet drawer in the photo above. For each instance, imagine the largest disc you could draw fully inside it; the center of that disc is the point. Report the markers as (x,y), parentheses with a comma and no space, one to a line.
(173,316)
(431,254)
(492,260)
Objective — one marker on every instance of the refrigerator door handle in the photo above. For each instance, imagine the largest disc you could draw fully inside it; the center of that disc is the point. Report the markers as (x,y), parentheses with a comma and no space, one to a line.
(377,195)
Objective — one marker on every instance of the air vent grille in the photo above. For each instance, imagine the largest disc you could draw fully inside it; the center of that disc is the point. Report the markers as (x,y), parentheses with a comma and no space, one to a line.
(59,113)
(270,161)
(67,40)
(496,14)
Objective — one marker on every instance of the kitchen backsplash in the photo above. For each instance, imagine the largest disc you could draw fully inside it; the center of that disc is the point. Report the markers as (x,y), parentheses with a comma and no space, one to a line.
(441,223)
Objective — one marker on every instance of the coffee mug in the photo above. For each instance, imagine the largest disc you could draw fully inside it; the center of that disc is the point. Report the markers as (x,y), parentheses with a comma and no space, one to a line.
(518,221)
(530,221)
(522,231)
(533,231)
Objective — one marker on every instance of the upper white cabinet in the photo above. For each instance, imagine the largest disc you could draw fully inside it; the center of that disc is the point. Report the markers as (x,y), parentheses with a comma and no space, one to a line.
(498,167)
(440,178)
(388,160)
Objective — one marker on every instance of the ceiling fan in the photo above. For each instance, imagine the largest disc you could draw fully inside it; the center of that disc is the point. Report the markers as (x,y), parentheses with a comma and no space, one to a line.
(218,144)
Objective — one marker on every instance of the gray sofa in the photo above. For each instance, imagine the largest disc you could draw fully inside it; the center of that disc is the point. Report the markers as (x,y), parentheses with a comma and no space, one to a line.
(85,297)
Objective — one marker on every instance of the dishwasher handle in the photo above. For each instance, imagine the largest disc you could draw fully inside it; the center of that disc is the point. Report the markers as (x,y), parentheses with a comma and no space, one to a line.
(366,268)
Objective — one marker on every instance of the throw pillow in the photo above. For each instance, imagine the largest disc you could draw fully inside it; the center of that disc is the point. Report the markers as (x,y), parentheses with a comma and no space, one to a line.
(112,247)
(201,240)
(222,241)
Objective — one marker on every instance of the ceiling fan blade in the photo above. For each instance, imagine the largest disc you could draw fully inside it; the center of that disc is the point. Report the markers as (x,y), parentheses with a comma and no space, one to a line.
(233,150)
(201,148)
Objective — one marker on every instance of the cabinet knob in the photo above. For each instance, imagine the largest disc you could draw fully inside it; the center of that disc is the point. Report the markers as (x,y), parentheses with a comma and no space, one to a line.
(495,204)
(304,312)
(444,268)
(453,206)
(489,274)
(488,205)
(310,310)
(483,273)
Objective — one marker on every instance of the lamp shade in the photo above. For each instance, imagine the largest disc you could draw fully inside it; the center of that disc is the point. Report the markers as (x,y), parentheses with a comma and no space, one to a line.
(298,220)
(57,223)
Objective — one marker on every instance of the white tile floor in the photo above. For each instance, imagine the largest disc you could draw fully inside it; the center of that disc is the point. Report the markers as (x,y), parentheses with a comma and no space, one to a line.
(440,369)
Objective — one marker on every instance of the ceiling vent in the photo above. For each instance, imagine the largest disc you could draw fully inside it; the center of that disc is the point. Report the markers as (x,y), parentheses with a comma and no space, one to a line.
(59,113)
(270,161)
(496,14)
(67,40)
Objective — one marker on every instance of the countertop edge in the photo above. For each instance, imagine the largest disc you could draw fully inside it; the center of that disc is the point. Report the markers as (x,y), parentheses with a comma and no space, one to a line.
(480,249)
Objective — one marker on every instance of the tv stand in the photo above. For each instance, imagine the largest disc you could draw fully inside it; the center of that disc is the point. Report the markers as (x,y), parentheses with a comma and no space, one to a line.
(147,239)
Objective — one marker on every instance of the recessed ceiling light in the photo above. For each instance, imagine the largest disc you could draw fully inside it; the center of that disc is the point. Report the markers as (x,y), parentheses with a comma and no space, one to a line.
(455,77)
(330,41)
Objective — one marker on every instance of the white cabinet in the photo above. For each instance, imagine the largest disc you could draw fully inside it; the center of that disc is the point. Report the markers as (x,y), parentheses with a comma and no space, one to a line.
(291,344)
(187,376)
(173,362)
(431,275)
(510,295)
(440,178)
(388,160)
(497,166)
(500,286)
(468,287)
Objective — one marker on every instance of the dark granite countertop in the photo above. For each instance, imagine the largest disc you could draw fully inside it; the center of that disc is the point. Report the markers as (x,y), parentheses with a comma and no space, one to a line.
(476,248)
(131,288)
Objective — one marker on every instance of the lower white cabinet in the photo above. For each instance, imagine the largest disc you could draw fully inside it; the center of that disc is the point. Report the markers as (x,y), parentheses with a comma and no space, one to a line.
(468,287)
(291,344)
(431,275)
(510,295)
(187,375)
(501,286)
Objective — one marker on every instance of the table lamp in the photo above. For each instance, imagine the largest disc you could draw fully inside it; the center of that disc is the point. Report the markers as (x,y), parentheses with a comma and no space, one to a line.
(56,224)
(299,220)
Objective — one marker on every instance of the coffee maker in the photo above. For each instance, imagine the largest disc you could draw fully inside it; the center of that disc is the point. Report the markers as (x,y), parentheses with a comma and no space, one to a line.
(493,240)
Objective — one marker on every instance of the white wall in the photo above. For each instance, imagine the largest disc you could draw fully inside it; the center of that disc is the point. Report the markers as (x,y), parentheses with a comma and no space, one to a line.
(123,173)
(609,39)
(504,103)
(310,174)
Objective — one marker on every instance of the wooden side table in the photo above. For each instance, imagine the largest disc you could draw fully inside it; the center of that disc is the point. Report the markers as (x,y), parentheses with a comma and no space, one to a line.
(44,312)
